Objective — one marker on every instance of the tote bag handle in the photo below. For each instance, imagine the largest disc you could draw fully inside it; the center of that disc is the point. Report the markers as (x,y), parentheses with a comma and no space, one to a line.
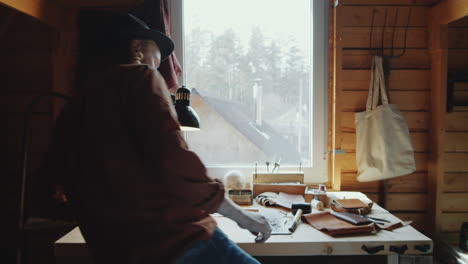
(377,85)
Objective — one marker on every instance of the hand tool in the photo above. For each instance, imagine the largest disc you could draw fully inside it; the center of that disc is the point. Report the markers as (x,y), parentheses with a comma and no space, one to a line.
(277,165)
(298,209)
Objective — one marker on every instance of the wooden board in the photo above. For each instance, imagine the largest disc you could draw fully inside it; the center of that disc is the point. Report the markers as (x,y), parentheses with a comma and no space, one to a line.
(362,59)
(417,121)
(460,98)
(450,10)
(419,219)
(359,37)
(400,80)
(46,11)
(406,201)
(406,100)
(40,133)
(259,188)
(372,196)
(454,202)
(460,86)
(452,222)
(452,238)
(348,162)
(100,3)
(16,103)
(419,141)
(389,2)
(457,121)
(262,177)
(415,182)
(457,38)
(455,182)
(456,142)
(463,22)
(358,16)
(14,163)
(456,162)
(457,59)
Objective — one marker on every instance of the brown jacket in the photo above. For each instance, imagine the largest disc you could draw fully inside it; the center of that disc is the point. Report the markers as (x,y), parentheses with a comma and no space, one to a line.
(139,194)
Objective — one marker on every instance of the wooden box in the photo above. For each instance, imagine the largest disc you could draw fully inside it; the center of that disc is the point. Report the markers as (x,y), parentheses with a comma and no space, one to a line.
(288,182)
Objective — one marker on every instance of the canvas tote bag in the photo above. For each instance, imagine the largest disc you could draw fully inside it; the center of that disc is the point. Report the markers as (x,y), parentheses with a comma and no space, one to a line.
(384,147)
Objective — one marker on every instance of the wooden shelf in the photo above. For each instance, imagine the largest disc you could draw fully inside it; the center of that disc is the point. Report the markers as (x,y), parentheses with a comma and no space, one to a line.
(46,11)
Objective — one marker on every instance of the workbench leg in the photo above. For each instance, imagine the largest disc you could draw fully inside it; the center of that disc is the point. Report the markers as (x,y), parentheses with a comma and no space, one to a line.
(393,259)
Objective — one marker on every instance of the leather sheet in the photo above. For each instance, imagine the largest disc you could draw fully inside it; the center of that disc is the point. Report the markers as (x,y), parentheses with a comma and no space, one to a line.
(328,223)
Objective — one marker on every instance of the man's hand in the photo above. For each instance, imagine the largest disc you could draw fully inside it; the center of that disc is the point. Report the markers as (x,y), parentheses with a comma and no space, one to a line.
(253,222)
(256,224)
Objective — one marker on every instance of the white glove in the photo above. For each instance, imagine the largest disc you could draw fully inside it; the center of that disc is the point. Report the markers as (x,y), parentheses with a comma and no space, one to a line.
(253,222)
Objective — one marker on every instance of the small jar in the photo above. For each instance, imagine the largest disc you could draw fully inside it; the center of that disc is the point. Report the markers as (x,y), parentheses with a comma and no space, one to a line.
(464,237)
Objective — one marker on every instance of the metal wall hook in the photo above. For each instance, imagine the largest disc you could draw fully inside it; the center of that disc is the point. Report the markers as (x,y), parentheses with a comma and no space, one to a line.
(380,51)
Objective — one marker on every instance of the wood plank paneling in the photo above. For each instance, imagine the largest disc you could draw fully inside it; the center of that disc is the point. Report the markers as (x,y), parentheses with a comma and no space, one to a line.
(409,86)
(419,219)
(359,37)
(455,182)
(460,86)
(372,196)
(350,183)
(456,142)
(457,38)
(390,2)
(457,59)
(348,162)
(39,133)
(406,100)
(14,164)
(17,103)
(362,59)
(46,11)
(419,141)
(454,202)
(358,16)
(457,121)
(456,162)
(460,97)
(407,201)
(452,222)
(451,238)
(414,80)
(415,182)
(417,121)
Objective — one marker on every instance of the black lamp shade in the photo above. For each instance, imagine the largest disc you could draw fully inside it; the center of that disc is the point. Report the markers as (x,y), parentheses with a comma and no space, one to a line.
(188,118)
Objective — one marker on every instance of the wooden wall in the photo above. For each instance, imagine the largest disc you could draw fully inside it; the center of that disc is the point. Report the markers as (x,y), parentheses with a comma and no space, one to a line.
(455,181)
(25,72)
(409,87)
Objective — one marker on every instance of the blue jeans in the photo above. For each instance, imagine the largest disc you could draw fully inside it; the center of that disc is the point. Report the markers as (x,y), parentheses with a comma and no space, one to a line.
(218,249)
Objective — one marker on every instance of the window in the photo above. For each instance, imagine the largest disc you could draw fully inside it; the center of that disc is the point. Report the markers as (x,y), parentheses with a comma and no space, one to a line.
(258,74)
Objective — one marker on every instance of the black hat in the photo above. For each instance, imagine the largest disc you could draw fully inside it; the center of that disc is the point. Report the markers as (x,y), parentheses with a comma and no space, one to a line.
(125,25)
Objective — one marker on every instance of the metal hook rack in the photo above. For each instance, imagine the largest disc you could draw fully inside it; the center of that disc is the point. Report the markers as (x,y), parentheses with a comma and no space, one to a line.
(388,56)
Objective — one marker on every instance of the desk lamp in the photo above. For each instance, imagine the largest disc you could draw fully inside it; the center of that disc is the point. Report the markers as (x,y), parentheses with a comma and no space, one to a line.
(188,118)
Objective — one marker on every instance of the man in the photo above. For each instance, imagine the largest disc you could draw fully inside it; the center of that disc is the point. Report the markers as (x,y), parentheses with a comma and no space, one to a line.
(139,194)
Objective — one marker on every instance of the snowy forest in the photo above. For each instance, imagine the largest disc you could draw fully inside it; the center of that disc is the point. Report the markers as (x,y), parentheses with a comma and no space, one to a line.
(221,66)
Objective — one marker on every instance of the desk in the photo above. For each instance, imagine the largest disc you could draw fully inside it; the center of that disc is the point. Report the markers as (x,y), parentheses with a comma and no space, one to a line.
(305,241)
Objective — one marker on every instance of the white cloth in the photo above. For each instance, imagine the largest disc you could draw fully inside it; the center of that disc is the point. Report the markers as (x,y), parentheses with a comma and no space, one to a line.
(384,147)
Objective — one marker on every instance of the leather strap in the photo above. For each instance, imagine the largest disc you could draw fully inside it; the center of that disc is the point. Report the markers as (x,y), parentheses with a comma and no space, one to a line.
(360,211)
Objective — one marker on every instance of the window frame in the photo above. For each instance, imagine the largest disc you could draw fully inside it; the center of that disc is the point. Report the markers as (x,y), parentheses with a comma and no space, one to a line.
(320,102)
